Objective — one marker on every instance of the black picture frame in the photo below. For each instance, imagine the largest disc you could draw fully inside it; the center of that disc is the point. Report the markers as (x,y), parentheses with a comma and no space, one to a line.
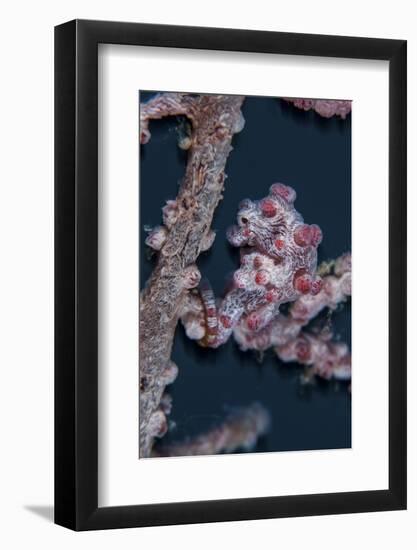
(76,270)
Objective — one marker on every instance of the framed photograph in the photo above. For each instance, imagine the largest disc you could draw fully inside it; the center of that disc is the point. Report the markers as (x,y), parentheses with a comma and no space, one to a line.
(230,253)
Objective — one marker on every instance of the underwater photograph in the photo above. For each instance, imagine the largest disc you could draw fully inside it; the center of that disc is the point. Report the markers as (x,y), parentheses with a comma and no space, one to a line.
(245,274)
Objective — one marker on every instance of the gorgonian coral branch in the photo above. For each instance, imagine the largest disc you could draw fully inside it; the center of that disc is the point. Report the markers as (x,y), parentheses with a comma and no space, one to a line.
(162,105)
(240,430)
(335,289)
(315,348)
(324,107)
(185,233)
(323,356)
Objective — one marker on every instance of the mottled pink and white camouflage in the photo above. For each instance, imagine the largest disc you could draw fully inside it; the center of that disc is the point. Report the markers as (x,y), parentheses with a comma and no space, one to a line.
(278,264)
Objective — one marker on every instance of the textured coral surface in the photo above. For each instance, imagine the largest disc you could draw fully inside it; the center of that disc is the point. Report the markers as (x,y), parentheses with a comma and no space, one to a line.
(239,430)
(324,107)
(186,232)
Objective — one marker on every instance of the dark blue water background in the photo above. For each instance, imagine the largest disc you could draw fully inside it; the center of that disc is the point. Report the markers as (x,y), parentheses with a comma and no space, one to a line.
(278,144)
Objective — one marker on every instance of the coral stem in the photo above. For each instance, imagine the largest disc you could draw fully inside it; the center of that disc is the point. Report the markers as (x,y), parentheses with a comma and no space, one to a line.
(326,108)
(240,430)
(187,221)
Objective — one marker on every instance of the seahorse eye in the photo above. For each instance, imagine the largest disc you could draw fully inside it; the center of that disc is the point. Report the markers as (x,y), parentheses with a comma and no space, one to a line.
(244,220)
